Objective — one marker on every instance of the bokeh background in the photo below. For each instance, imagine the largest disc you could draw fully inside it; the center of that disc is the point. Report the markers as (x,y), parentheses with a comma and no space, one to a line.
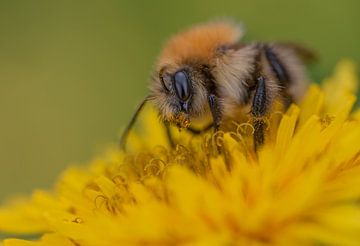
(72,72)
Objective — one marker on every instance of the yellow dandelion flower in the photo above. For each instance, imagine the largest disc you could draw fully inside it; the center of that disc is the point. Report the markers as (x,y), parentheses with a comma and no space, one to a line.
(301,188)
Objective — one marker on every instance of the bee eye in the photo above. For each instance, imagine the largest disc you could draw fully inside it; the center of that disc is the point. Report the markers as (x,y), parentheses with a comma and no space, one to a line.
(164,78)
(182,85)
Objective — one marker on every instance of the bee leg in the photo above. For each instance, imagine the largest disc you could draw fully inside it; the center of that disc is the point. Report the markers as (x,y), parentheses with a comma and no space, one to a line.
(131,124)
(215,111)
(258,111)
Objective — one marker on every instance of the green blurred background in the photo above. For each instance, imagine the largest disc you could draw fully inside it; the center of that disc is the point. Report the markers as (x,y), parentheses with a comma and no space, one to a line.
(72,72)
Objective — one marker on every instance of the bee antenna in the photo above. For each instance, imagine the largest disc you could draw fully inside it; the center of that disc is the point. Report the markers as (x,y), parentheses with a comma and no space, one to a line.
(131,123)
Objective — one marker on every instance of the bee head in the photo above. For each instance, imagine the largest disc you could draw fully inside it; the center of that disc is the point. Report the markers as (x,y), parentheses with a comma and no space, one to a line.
(180,93)
(183,73)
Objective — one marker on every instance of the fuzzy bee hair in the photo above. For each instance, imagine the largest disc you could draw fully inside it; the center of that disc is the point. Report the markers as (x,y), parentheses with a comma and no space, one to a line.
(195,49)
(207,71)
(214,49)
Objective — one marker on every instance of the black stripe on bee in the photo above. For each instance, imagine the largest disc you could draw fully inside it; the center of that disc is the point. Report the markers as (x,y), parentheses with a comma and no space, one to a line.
(277,67)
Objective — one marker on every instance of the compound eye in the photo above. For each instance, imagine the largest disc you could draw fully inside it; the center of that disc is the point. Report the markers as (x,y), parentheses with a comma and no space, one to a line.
(165,79)
(182,85)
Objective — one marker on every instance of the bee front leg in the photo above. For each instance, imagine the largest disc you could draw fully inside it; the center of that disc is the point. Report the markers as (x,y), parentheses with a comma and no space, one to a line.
(258,111)
(216,115)
(215,111)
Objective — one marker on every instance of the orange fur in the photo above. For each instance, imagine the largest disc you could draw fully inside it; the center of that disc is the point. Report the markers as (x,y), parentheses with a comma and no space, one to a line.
(199,42)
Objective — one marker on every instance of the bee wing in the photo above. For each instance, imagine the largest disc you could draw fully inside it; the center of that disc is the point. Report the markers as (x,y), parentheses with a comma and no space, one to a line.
(306,54)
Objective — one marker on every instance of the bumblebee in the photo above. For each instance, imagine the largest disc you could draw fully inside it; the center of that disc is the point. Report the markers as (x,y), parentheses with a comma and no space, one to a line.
(207,71)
